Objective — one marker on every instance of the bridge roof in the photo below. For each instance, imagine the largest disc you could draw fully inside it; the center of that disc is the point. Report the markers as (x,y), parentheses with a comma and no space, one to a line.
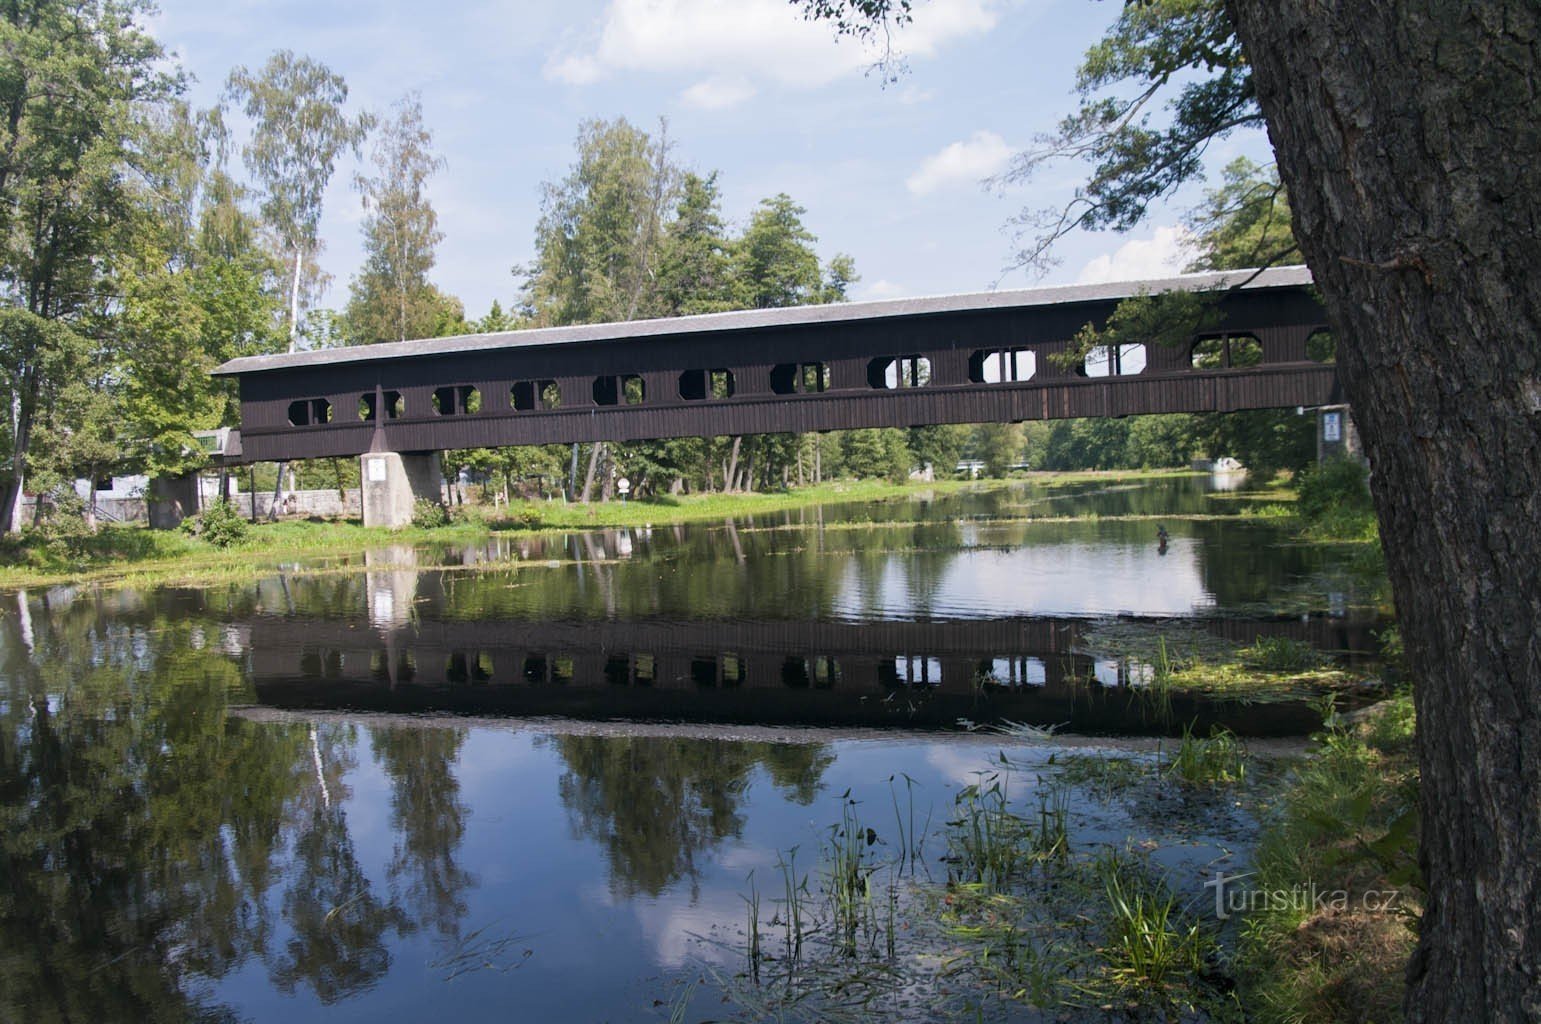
(755,319)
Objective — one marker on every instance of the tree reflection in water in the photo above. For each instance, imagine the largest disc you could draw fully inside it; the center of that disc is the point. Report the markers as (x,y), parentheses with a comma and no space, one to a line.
(150,843)
(656,804)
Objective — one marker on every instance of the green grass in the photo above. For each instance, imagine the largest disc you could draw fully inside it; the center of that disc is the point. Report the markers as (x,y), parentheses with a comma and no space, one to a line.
(1347,821)
(133,554)
(1207,762)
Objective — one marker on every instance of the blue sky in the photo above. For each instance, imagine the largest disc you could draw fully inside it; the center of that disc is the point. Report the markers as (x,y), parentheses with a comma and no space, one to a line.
(889,173)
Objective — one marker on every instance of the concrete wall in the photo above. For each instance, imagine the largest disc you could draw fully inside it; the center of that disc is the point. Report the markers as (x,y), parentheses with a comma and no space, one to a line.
(324,503)
(393,483)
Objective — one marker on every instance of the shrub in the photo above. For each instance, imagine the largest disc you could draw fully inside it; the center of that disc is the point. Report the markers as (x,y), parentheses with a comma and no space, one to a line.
(1333,496)
(219,524)
(429,514)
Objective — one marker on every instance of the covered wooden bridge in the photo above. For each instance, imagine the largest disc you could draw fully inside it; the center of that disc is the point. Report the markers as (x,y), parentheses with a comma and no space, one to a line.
(986,357)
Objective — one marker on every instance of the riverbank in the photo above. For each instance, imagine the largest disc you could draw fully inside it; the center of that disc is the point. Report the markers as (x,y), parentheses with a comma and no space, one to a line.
(137,555)
(1028,908)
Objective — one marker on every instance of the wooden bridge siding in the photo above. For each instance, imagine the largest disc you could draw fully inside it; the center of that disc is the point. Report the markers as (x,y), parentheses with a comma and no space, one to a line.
(1282,322)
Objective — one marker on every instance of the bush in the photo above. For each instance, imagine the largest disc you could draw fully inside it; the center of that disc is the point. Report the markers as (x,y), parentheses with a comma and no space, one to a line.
(1333,487)
(428,514)
(219,524)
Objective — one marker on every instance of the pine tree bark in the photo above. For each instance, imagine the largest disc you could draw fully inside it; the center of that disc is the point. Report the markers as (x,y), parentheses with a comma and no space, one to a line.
(1407,133)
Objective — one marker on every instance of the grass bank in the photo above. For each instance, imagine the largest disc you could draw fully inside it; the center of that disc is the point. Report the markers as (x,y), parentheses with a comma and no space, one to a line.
(137,555)
(1017,908)
(1339,862)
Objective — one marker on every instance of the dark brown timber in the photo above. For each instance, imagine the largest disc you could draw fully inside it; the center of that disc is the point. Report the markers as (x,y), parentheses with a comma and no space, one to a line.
(1408,134)
(958,359)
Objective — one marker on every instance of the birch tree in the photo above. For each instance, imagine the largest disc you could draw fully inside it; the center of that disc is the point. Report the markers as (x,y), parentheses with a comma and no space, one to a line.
(299,130)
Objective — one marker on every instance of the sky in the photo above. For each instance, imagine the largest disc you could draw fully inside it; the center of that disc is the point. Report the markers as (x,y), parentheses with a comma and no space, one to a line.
(894,173)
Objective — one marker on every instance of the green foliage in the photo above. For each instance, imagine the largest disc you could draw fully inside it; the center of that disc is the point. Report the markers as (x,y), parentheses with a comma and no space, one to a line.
(1281,654)
(428,514)
(600,228)
(1347,821)
(1216,760)
(82,84)
(1334,500)
(1154,955)
(299,131)
(219,524)
(1177,56)
(697,272)
(391,297)
(1245,222)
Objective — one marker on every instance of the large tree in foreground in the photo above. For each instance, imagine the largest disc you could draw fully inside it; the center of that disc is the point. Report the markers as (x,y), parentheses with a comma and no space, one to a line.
(1407,136)
(1406,131)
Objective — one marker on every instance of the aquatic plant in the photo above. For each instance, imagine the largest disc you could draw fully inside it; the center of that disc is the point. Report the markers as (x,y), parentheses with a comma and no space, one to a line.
(1153,954)
(1218,759)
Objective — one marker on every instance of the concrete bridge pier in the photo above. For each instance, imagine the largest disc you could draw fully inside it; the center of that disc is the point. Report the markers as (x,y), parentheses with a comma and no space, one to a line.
(172,499)
(394,482)
(1336,435)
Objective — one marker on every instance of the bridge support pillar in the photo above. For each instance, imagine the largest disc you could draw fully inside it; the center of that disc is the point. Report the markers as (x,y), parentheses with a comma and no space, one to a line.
(171,500)
(393,483)
(1336,435)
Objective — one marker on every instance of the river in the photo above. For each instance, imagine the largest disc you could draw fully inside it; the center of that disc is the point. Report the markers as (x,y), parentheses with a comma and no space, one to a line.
(541,777)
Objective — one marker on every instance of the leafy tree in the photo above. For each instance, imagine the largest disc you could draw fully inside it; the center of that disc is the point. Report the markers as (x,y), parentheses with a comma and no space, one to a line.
(598,239)
(779,265)
(937,446)
(1405,135)
(696,271)
(77,85)
(392,299)
(299,129)
(1245,222)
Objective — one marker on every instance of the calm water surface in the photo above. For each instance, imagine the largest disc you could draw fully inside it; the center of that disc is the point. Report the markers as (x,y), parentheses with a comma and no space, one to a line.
(251,802)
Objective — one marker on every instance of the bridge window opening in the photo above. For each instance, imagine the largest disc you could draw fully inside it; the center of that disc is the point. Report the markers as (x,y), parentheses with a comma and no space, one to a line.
(618,670)
(697,385)
(1321,347)
(1114,361)
(1227,351)
(380,666)
(529,395)
(826,672)
(455,400)
(1002,366)
(1013,672)
(794,673)
(913,671)
(703,671)
(799,378)
(733,672)
(310,412)
(321,664)
(473,667)
(899,372)
(615,390)
(394,406)
(534,668)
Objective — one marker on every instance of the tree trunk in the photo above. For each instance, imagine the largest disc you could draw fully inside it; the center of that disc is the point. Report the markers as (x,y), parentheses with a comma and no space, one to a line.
(294,301)
(278,490)
(1406,132)
(588,477)
(730,477)
(22,402)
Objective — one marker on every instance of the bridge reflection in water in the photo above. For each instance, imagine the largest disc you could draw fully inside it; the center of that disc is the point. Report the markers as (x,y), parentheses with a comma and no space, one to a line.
(923,674)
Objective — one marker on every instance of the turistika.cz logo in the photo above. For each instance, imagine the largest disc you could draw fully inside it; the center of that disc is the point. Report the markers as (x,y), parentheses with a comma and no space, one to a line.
(1231,897)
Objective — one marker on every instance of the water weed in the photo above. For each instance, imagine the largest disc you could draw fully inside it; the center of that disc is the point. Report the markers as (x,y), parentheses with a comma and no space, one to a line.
(1216,760)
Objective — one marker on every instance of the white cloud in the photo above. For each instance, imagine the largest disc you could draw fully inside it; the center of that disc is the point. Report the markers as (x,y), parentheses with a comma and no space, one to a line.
(718,92)
(879,289)
(751,40)
(967,162)
(1161,255)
